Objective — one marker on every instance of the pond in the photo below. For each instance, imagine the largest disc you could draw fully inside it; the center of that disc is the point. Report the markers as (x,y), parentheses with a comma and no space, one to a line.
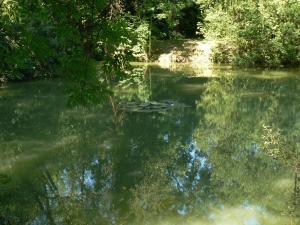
(225,151)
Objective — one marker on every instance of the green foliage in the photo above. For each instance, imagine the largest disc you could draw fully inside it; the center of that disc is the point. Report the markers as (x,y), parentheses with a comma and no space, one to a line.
(44,39)
(166,18)
(24,41)
(255,32)
(41,39)
(139,49)
(38,37)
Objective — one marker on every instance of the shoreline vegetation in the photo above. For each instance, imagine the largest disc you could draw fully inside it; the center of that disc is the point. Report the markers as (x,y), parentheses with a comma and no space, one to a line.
(184,54)
(49,39)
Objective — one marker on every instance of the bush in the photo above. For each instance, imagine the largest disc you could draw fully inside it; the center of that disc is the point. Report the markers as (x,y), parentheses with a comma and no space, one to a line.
(140,45)
(41,39)
(264,33)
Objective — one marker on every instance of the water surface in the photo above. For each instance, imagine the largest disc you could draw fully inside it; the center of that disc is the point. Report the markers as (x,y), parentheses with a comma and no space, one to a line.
(207,163)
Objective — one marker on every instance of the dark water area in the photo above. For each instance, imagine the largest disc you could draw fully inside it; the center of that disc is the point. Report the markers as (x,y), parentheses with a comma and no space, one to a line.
(227,155)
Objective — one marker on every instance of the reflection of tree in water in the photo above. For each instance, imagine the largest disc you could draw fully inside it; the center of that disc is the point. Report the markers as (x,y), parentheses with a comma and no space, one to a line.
(88,177)
(154,167)
(69,180)
(154,142)
(280,148)
(173,187)
(235,112)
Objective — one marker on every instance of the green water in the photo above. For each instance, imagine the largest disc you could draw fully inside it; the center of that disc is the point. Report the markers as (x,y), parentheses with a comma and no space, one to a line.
(207,163)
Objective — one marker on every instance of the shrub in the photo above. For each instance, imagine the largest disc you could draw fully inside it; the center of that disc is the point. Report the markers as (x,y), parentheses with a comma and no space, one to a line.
(264,33)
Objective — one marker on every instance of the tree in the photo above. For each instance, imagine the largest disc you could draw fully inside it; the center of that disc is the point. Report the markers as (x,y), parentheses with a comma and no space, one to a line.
(251,33)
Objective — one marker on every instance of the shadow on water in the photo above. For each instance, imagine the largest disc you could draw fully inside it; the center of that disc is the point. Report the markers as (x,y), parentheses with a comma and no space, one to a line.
(231,157)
